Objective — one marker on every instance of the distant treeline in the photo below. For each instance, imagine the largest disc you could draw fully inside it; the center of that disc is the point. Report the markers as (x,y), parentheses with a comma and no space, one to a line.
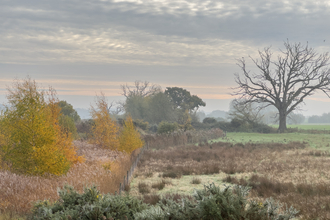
(324,118)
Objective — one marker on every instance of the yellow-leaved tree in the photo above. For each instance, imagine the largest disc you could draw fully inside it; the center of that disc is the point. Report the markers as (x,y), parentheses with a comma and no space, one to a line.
(105,129)
(129,138)
(34,142)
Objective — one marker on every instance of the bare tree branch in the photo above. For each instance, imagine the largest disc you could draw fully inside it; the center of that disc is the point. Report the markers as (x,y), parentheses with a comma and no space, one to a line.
(284,83)
(140,89)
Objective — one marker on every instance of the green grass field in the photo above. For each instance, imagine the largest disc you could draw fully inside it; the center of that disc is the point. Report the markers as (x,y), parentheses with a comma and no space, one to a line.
(319,141)
(311,126)
(318,127)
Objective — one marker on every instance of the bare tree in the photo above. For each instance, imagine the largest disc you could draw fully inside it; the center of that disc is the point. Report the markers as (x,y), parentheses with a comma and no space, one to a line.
(284,83)
(140,88)
(248,112)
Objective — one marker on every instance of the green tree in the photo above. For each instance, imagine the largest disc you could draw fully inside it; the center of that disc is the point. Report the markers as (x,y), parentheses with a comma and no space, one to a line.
(67,109)
(137,106)
(67,125)
(182,99)
(184,104)
(160,108)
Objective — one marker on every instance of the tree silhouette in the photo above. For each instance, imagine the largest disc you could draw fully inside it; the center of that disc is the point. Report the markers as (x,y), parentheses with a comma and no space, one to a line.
(297,72)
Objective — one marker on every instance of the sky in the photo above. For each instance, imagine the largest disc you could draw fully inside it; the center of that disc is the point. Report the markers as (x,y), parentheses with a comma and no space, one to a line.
(83,47)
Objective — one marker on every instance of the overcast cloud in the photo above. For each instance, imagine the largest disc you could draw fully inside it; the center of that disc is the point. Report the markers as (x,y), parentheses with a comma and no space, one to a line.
(193,44)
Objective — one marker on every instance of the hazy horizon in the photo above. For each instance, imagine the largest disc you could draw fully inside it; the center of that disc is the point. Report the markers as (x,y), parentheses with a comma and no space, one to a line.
(82,48)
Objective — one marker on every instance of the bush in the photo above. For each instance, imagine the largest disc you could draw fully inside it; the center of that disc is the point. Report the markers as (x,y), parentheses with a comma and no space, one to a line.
(141,124)
(88,205)
(196,180)
(167,127)
(84,128)
(143,188)
(212,202)
(209,120)
(153,128)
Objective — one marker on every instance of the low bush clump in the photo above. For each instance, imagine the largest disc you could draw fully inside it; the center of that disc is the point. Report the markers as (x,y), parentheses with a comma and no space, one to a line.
(159,185)
(144,188)
(212,202)
(88,205)
(196,180)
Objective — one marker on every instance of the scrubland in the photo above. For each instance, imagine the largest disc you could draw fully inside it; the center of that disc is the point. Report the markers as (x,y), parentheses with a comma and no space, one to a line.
(102,167)
(291,172)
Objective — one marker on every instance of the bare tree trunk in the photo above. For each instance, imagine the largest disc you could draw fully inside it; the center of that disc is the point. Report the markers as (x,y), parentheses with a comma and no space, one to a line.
(282,119)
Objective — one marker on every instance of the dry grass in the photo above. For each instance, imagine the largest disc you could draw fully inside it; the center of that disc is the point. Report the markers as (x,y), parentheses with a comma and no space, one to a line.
(178,138)
(144,188)
(196,180)
(311,199)
(159,185)
(18,192)
(215,158)
(291,173)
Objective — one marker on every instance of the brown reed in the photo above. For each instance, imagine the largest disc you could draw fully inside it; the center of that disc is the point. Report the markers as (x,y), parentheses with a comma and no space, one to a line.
(19,192)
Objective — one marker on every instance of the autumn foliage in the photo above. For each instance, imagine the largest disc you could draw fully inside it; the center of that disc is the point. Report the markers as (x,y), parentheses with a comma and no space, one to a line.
(129,138)
(105,129)
(106,132)
(31,139)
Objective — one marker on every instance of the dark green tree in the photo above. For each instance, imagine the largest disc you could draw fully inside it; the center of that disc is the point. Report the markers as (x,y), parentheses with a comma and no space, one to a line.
(68,117)
(160,109)
(182,99)
(67,109)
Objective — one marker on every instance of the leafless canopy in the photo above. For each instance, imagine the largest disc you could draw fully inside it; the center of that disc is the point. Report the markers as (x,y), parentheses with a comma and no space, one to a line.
(249,112)
(140,88)
(284,83)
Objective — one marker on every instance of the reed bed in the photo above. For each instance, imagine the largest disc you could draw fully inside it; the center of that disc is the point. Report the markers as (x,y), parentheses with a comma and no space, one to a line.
(19,192)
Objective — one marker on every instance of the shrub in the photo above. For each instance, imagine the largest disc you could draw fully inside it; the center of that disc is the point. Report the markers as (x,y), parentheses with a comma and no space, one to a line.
(209,120)
(196,180)
(143,188)
(88,205)
(212,202)
(141,124)
(167,127)
(84,128)
(153,128)
(159,185)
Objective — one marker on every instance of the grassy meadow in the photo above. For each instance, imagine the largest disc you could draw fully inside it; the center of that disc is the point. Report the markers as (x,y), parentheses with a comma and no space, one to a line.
(320,127)
(291,168)
(317,141)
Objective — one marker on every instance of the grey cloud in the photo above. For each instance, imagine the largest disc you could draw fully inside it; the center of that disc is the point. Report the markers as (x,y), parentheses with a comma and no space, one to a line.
(237,20)
(153,32)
